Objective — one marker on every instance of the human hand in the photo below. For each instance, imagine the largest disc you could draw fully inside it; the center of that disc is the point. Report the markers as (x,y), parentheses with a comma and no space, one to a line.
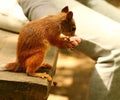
(75,40)
(69,41)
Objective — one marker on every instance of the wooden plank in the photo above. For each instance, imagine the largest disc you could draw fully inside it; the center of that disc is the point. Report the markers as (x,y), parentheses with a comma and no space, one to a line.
(19,86)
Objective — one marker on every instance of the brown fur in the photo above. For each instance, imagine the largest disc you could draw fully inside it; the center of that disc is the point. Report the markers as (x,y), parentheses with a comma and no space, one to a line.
(35,38)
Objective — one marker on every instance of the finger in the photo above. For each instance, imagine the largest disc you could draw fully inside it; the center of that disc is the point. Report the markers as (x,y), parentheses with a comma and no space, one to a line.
(75,39)
(75,43)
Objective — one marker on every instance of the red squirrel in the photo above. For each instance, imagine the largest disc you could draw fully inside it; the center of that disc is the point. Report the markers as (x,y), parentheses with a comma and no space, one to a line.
(35,37)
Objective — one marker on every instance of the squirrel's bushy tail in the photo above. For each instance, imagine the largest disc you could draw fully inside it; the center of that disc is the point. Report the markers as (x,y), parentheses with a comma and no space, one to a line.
(12,66)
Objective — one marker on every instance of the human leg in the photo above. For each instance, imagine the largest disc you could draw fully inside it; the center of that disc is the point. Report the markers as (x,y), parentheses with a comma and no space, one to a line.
(37,9)
(101,42)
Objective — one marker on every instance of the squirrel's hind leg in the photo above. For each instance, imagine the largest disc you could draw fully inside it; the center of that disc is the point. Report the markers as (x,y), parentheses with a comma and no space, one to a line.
(41,75)
(33,63)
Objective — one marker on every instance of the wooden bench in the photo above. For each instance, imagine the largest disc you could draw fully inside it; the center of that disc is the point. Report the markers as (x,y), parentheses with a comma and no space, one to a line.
(19,86)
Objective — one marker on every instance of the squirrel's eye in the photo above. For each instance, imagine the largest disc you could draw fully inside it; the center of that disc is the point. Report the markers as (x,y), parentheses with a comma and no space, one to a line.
(73,28)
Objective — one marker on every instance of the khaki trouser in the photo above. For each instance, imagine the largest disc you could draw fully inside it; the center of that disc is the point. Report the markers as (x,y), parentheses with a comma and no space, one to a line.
(100,41)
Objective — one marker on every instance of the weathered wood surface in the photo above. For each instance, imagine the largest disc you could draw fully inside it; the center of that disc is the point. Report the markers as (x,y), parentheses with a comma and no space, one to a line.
(19,86)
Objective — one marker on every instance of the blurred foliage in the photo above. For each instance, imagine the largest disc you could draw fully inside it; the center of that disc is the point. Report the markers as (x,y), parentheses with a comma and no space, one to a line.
(83,1)
(113,2)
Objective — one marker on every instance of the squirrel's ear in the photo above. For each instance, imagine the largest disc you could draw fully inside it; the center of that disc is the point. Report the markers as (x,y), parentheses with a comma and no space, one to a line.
(69,15)
(65,9)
